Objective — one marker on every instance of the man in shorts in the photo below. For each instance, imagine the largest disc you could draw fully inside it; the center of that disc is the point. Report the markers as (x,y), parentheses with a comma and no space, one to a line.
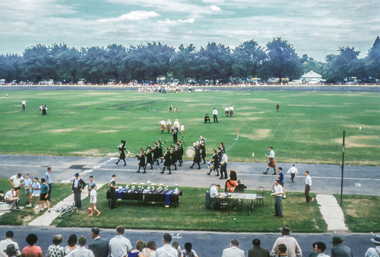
(28,189)
(36,192)
(16,183)
(44,196)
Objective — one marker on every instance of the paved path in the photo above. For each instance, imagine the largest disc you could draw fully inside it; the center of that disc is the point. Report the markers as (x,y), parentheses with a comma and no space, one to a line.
(331,212)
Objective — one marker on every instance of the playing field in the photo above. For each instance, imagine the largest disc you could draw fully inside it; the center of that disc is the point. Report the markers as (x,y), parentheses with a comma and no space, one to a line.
(307,129)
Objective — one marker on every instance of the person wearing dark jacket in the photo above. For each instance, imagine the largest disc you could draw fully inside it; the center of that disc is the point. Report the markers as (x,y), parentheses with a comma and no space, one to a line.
(100,246)
(77,187)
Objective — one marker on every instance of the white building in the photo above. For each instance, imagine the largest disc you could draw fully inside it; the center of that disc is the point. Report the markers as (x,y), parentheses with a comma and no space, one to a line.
(312,76)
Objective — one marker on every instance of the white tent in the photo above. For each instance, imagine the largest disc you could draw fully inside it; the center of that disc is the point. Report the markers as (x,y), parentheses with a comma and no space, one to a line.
(311,75)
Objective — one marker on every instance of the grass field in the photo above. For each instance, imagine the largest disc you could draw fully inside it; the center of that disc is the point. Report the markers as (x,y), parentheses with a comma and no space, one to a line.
(192,214)
(25,215)
(361,212)
(308,128)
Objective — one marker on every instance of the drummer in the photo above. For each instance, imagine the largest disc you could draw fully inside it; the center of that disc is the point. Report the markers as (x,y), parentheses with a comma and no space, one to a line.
(197,156)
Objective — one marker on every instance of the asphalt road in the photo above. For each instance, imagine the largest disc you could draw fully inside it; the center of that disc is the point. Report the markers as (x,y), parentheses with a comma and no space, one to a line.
(206,244)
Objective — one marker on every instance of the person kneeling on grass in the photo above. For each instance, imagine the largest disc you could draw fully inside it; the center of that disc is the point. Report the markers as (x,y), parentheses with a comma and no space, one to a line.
(93,199)
(44,195)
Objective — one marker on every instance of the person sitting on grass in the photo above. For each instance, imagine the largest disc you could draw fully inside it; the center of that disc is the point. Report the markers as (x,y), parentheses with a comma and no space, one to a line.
(140,245)
(31,250)
(93,200)
(12,199)
(56,250)
(189,252)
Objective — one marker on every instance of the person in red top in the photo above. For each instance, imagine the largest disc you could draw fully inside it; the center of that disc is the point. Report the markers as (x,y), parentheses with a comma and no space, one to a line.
(231,183)
(31,250)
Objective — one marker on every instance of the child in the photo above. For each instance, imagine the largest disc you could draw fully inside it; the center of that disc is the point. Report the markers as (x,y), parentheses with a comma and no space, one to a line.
(182,128)
(176,246)
(189,252)
(44,196)
(36,192)
(93,198)
(28,189)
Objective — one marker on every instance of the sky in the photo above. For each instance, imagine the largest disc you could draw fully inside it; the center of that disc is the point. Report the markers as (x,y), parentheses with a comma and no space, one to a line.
(314,27)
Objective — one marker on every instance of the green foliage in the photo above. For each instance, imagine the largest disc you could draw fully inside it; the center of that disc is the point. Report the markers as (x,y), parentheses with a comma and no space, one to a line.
(373,60)
(247,58)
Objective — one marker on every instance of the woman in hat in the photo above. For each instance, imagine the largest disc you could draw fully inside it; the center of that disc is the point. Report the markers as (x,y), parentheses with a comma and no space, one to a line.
(31,250)
(374,251)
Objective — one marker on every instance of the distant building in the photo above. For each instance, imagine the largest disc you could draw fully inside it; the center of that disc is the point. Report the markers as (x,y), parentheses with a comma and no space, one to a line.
(312,76)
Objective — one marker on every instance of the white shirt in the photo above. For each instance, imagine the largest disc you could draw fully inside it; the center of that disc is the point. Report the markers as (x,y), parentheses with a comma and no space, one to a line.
(224,158)
(308,180)
(226,110)
(231,108)
(271,154)
(371,252)
(81,251)
(162,122)
(9,196)
(119,246)
(76,181)
(233,251)
(215,112)
(166,251)
(278,189)
(323,255)
(3,245)
(16,181)
(93,196)
(213,192)
(23,102)
(293,170)
(176,123)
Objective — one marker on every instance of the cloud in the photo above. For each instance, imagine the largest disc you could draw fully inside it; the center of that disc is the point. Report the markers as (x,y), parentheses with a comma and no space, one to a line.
(215,8)
(132,16)
(213,1)
(175,22)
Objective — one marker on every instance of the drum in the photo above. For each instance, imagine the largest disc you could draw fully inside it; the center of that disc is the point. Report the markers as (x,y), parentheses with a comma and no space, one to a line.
(190,152)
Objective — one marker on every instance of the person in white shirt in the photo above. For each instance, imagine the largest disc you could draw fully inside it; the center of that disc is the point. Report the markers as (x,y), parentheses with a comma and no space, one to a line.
(223,166)
(16,182)
(278,191)
(162,122)
(11,199)
(36,192)
(215,115)
(226,110)
(8,241)
(293,172)
(119,245)
(80,250)
(231,109)
(271,162)
(320,248)
(214,191)
(234,250)
(292,247)
(93,200)
(28,189)
(23,105)
(374,252)
(166,250)
(308,187)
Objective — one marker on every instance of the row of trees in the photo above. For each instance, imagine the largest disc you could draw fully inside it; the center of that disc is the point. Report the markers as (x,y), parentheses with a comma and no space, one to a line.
(215,61)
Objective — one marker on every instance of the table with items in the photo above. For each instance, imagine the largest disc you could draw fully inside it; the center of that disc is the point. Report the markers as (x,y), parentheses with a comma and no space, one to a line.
(238,197)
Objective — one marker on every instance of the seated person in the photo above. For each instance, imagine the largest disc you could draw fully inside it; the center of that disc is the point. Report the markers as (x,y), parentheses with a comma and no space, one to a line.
(207,118)
(11,199)
(240,187)
(214,191)
(231,183)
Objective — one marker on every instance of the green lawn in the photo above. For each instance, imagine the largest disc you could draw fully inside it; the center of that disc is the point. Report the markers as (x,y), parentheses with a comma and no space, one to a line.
(361,212)
(192,214)
(308,128)
(27,214)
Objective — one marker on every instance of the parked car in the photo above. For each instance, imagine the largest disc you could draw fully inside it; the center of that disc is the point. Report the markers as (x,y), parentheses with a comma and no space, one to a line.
(368,80)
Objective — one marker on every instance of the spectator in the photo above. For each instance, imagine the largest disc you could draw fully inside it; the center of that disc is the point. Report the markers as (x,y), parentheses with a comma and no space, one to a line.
(320,249)
(81,250)
(313,253)
(56,250)
(119,245)
(138,251)
(72,244)
(150,248)
(48,181)
(257,250)
(176,246)
(281,249)
(93,200)
(231,183)
(188,251)
(28,190)
(36,192)
(234,250)
(90,183)
(100,246)
(293,248)
(11,250)
(338,249)
(9,236)
(12,199)
(15,181)
(374,252)
(44,196)
(31,250)
(240,187)
(166,250)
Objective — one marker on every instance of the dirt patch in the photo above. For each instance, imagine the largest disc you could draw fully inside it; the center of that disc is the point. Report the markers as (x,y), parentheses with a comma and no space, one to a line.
(261,134)
(61,130)
(354,208)
(27,219)
(359,141)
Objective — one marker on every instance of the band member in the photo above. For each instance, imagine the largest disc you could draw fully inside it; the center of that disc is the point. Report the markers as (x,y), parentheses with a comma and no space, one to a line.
(168,125)
(207,118)
(173,156)
(149,159)
(121,148)
(223,166)
(215,163)
(215,115)
(277,107)
(167,161)
(141,159)
(180,152)
(160,149)
(175,133)
(156,152)
(162,122)
(203,148)
(271,162)
(197,156)
(176,123)
(222,146)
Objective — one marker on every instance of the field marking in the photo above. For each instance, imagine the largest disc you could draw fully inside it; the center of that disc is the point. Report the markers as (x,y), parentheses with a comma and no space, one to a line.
(260,130)
(287,134)
(331,141)
(275,130)
(315,177)
(237,140)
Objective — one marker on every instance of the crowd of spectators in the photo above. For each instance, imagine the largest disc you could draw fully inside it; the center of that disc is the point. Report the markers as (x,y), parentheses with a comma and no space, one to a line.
(120,246)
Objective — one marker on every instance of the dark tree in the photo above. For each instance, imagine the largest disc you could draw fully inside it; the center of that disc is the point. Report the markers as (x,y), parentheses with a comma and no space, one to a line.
(247,59)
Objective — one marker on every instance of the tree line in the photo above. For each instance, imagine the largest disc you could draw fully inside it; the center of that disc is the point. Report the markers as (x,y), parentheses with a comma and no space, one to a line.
(153,60)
